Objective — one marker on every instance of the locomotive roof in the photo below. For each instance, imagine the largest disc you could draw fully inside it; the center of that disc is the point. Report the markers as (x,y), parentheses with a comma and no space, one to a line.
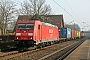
(48,24)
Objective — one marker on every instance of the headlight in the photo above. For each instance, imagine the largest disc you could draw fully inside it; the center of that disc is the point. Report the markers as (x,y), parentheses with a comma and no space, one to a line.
(18,34)
(31,38)
(30,34)
(17,38)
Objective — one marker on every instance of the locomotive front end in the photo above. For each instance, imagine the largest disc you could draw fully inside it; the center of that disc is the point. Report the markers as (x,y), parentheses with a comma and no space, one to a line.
(24,34)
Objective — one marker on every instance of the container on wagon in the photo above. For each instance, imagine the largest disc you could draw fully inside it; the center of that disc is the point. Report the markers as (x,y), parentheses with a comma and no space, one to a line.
(77,34)
(81,34)
(73,35)
(64,33)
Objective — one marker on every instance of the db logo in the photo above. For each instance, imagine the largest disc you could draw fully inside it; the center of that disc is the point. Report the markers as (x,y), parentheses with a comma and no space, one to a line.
(50,31)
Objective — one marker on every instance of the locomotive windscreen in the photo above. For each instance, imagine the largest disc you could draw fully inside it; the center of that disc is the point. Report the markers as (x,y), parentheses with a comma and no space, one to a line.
(25,26)
(29,26)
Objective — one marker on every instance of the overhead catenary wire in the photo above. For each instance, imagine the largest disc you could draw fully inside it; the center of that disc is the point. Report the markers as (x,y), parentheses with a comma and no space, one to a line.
(66,10)
(63,9)
(76,15)
(70,7)
(72,11)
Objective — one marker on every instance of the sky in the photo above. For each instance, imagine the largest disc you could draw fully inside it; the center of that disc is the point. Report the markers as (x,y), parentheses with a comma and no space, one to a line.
(79,11)
(73,11)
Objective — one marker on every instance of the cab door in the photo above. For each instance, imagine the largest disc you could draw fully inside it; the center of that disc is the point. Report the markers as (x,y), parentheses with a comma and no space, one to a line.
(39,32)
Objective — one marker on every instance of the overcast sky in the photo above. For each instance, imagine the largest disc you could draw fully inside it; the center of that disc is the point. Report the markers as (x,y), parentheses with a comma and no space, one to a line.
(78,11)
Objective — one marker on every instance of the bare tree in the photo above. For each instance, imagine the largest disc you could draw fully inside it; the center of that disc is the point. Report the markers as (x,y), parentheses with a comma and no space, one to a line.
(39,7)
(25,8)
(7,10)
(35,7)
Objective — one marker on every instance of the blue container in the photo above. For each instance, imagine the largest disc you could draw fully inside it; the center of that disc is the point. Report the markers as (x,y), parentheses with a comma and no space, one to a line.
(64,33)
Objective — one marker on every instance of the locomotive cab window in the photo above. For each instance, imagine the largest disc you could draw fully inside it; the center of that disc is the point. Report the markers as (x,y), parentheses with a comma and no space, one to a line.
(29,26)
(21,26)
(38,27)
(25,26)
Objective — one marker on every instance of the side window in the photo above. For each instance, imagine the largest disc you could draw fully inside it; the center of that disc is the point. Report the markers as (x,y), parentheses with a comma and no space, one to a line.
(38,27)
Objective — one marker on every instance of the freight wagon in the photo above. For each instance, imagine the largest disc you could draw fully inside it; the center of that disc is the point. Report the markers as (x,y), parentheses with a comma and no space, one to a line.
(81,35)
(73,34)
(77,34)
(67,34)
(64,33)
(35,33)
(6,41)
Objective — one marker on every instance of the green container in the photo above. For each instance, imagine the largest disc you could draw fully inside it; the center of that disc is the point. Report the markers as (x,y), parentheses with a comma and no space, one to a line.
(77,33)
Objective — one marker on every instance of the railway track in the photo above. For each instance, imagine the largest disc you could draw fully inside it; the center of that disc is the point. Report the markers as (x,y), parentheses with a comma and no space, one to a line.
(62,53)
(45,53)
(69,50)
(14,54)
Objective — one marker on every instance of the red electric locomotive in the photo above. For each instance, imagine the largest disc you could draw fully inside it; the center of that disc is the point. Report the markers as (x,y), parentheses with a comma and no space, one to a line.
(34,33)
